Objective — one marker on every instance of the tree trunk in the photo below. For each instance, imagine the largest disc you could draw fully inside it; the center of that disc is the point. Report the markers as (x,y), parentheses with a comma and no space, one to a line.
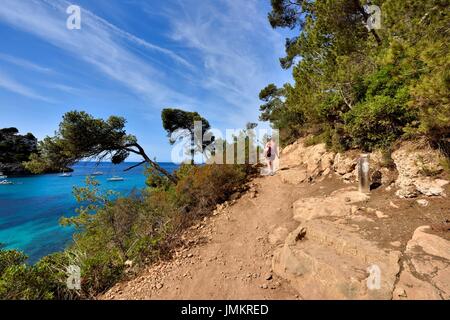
(155,165)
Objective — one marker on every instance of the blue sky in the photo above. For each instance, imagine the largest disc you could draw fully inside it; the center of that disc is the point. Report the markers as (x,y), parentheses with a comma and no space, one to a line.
(133,58)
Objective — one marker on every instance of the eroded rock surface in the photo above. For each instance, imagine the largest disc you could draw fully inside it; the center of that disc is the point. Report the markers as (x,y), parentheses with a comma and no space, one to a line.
(293,176)
(415,164)
(426,268)
(326,260)
(339,203)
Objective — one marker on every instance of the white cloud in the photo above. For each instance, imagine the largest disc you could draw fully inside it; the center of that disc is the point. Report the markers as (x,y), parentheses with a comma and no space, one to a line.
(96,43)
(24,63)
(238,50)
(10,84)
(231,48)
(62,88)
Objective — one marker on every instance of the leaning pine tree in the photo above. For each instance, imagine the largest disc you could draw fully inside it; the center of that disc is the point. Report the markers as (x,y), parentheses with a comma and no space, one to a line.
(81,136)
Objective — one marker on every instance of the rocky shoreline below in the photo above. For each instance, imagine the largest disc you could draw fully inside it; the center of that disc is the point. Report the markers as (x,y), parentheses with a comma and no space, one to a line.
(18,170)
(15,149)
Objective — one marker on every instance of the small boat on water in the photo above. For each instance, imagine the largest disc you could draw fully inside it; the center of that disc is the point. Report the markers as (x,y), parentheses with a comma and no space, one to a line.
(3,180)
(115,179)
(97,173)
(65,175)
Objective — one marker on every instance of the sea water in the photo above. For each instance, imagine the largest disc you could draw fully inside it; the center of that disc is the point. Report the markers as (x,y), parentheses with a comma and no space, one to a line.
(30,209)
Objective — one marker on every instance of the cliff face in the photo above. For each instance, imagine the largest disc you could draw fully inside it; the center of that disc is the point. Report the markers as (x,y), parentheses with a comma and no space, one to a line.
(15,149)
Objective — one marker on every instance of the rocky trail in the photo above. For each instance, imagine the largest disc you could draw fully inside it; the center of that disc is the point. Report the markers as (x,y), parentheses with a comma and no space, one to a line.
(306,233)
(227,256)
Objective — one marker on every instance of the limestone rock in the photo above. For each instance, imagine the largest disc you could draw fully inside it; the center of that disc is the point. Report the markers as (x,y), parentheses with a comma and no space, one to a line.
(331,261)
(354,209)
(15,149)
(293,176)
(343,165)
(348,176)
(414,161)
(426,267)
(235,196)
(430,187)
(422,202)
(278,236)
(381,214)
(412,288)
(393,205)
(430,243)
(292,155)
(129,263)
(326,172)
(290,147)
(395,243)
(339,203)
(388,176)
(327,160)
(312,157)
(407,192)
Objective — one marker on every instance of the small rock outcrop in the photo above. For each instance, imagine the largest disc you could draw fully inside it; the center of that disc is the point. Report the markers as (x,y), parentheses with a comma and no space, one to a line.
(418,166)
(338,204)
(344,165)
(326,260)
(14,149)
(426,268)
(298,161)
(294,175)
(278,235)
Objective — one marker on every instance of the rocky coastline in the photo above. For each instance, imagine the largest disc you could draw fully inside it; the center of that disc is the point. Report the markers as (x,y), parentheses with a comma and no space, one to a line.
(15,149)
(18,170)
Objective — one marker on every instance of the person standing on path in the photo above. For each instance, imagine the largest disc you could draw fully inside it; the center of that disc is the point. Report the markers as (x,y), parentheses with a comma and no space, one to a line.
(270,153)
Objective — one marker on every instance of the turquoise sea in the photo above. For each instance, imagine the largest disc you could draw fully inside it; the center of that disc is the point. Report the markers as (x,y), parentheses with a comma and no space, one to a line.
(30,209)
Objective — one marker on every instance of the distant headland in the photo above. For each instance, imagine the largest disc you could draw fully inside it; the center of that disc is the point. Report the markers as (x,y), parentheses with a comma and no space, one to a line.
(15,149)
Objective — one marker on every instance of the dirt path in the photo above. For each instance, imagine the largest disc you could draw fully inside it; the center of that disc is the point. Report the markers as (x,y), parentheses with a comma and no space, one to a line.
(229,256)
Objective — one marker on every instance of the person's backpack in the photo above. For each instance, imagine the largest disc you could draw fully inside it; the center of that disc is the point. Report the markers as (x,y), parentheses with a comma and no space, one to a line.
(269,152)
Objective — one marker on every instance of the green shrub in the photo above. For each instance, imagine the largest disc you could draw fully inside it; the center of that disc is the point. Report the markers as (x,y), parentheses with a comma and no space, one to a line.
(44,280)
(204,187)
(10,258)
(378,122)
(313,140)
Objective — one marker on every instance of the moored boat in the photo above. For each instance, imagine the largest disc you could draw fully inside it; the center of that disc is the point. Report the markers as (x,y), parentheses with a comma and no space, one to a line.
(115,179)
(65,175)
